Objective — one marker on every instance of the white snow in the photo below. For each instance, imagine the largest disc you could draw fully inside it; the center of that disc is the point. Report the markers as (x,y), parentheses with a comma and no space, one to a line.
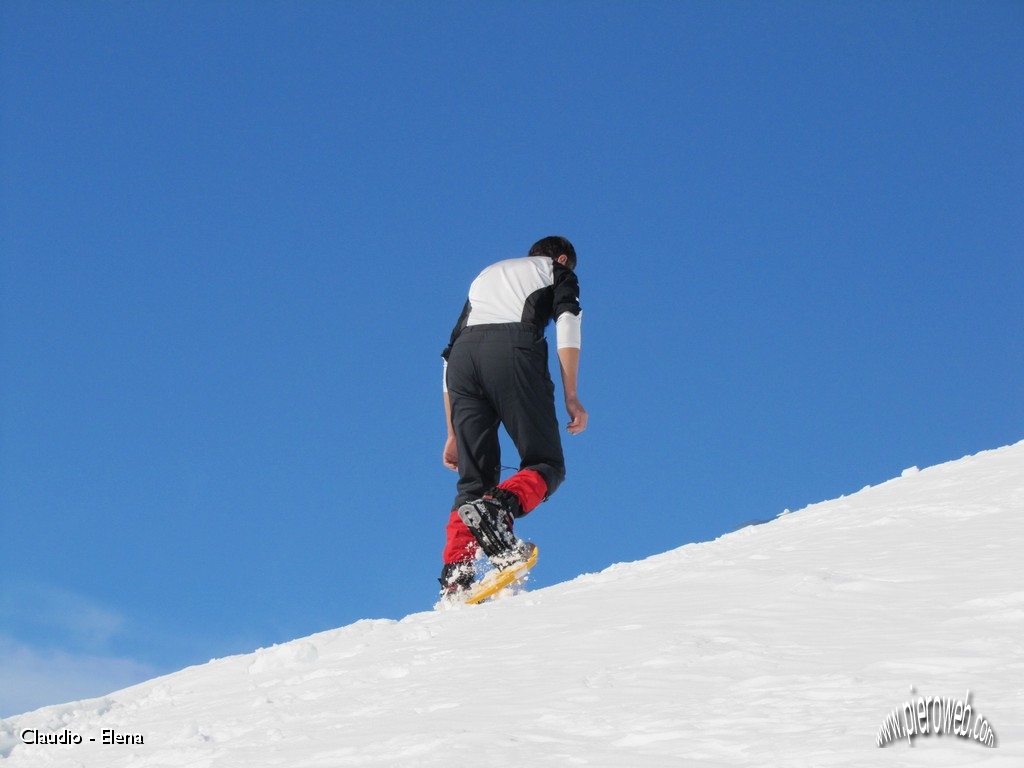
(788,643)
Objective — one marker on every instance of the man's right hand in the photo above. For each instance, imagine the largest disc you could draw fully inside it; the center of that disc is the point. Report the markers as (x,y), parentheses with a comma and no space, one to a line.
(578,414)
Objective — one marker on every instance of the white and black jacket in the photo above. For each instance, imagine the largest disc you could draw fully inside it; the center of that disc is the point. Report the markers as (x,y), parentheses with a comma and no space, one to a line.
(534,290)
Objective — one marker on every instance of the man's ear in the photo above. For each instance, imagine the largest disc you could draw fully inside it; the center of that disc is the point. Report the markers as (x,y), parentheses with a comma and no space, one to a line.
(563,259)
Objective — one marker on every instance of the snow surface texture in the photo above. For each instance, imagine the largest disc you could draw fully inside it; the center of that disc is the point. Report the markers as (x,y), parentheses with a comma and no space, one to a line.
(782,644)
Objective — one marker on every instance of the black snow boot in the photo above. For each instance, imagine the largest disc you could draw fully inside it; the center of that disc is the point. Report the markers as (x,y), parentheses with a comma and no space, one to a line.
(490,520)
(456,578)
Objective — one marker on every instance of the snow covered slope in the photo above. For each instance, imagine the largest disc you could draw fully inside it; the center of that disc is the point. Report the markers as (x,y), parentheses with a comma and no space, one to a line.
(789,643)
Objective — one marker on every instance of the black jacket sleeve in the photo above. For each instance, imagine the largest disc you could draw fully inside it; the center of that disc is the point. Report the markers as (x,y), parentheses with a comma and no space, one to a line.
(567,292)
(459,325)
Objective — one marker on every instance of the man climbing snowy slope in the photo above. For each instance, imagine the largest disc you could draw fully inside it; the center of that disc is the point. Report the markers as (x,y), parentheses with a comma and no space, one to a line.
(496,373)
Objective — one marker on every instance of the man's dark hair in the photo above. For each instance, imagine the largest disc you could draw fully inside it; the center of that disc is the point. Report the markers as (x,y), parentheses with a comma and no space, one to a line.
(553,247)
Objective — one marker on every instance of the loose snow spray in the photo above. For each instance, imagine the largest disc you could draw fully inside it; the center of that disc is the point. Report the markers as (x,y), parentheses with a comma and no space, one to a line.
(938,715)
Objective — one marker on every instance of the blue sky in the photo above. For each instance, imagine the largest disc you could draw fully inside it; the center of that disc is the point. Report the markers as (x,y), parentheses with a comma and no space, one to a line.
(235,237)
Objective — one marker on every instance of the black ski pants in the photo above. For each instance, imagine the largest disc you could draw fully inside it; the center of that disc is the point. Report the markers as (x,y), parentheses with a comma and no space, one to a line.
(498,374)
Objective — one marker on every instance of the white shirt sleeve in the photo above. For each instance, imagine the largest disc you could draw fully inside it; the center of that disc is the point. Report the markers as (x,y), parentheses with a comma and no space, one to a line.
(568,330)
